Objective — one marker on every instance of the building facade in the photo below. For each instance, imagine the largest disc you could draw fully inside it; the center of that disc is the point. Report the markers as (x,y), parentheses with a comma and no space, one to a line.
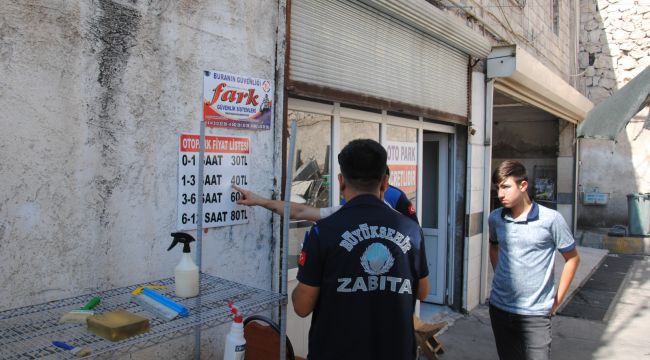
(97,94)
(466,84)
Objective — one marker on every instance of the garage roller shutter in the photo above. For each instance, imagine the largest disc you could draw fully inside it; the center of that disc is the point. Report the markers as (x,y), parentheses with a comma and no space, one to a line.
(352,47)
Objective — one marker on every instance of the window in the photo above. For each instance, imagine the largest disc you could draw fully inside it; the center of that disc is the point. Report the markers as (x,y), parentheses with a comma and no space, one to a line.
(311,174)
(352,129)
(322,125)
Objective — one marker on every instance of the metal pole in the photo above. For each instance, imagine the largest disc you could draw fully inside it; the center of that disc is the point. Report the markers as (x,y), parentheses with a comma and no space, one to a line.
(199,240)
(285,242)
(576,182)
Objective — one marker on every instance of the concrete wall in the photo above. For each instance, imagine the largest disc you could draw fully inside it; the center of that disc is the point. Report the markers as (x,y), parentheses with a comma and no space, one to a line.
(566,171)
(94,95)
(614,47)
(474,256)
(530,27)
(528,134)
(527,24)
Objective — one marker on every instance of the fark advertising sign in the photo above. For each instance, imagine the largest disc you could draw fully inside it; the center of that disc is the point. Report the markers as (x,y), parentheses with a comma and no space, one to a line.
(237,101)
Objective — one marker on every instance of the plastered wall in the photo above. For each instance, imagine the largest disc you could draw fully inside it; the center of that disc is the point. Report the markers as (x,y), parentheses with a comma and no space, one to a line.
(94,95)
(474,255)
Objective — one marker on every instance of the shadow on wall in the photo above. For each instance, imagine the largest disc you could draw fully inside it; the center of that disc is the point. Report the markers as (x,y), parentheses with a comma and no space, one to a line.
(613,49)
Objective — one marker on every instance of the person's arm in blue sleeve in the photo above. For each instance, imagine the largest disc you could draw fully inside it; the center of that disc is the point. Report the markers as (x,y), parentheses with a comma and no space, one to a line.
(406,207)
(305,295)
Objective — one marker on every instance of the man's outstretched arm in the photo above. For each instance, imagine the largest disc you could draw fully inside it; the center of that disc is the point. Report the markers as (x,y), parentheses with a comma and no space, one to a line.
(296,211)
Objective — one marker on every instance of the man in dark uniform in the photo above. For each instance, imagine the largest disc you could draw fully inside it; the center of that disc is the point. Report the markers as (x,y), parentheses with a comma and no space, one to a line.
(362,268)
(398,200)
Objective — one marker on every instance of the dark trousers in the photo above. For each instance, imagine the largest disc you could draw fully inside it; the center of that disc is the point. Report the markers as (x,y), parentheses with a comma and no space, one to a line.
(521,337)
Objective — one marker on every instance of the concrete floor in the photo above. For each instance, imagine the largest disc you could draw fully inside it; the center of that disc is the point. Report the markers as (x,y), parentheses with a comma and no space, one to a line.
(623,336)
(590,260)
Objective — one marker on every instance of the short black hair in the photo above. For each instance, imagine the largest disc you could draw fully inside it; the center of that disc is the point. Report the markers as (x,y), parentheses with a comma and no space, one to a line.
(363,164)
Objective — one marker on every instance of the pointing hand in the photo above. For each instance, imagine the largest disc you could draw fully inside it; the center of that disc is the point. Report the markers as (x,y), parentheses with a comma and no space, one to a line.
(248,198)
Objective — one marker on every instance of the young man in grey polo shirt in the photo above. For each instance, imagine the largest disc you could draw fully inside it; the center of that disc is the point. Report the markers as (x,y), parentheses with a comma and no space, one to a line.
(523,240)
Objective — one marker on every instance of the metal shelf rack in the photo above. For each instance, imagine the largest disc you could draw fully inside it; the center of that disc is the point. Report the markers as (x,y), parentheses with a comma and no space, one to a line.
(28,332)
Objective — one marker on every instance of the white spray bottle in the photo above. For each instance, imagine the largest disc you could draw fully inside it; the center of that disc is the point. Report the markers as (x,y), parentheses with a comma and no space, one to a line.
(186,273)
(235,342)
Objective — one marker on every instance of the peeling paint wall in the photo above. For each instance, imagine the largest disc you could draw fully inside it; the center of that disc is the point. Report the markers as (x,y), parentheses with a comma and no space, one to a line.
(94,96)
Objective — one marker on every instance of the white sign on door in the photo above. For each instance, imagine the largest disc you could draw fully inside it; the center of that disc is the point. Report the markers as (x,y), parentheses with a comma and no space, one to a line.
(403,163)
(226,162)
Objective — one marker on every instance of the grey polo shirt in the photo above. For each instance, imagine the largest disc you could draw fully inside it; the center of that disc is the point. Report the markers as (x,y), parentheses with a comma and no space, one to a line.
(523,281)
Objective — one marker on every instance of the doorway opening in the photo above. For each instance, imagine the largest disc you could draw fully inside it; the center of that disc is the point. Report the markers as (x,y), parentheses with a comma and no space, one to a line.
(435,190)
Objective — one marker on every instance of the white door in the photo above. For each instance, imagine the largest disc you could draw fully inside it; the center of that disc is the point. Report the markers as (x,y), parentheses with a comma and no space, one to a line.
(435,184)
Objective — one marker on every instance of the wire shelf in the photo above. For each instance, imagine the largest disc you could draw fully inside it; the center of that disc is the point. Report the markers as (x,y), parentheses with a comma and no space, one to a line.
(27,332)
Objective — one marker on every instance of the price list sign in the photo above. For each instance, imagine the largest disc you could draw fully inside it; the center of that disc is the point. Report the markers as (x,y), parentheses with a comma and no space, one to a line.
(226,162)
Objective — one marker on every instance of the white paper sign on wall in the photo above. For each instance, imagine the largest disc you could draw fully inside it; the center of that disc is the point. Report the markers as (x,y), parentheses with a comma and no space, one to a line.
(227,161)
(403,164)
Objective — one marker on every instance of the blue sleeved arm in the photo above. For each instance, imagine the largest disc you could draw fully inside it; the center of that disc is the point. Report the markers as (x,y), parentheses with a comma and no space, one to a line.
(492,224)
(310,262)
(405,207)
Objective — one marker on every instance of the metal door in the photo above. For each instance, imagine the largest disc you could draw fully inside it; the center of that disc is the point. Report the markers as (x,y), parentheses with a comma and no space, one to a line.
(435,183)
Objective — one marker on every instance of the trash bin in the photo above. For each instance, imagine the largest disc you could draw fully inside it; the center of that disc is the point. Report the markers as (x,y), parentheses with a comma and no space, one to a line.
(638,213)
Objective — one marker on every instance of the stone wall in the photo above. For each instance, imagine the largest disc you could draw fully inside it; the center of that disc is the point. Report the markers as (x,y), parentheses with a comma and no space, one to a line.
(614,44)
(614,47)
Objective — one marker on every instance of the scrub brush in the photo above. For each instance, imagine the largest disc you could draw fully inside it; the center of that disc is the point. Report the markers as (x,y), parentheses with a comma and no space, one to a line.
(82,314)
(76,351)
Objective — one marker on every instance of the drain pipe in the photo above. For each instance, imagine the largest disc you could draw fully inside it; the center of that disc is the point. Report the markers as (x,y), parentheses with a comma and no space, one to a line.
(468,212)
(487,185)
(576,184)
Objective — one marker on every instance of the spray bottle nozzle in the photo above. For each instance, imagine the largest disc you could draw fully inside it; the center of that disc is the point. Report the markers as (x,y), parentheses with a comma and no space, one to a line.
(237,317)
(184,238)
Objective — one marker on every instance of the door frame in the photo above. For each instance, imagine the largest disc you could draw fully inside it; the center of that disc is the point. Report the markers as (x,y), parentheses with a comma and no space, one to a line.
(438,295)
